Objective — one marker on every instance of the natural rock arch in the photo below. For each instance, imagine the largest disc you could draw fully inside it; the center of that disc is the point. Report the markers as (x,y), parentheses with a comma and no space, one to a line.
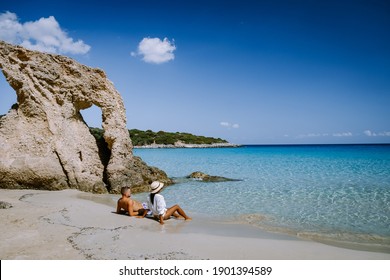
(7,100)
(45,143)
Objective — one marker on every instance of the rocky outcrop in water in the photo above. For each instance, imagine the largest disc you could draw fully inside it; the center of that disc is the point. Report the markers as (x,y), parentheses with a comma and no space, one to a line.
(208,178)
(44,141)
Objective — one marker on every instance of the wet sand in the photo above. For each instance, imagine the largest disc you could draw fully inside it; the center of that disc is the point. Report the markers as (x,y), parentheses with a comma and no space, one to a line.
(73,225)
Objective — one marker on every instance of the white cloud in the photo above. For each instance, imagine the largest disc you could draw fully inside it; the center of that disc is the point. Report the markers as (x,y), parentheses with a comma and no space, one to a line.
(369,133)
(342,134)
(43,35)
(155,50)
(229,125)
(309,135)
(374,134)
(313,135)
(10,27)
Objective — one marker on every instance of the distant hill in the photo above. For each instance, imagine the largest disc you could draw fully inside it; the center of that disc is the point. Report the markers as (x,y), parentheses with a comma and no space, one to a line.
(148,137)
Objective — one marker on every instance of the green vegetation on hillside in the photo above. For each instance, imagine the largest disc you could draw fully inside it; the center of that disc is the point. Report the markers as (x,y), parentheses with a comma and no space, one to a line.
(140,137)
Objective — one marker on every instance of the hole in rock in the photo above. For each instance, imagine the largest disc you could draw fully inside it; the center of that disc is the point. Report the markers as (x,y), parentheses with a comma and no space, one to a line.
(93,118)
(7,96)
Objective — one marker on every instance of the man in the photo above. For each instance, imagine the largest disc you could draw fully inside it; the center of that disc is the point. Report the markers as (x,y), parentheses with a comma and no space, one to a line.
(127,205)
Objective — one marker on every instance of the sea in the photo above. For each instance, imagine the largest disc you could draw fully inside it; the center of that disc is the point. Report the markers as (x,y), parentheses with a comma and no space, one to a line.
(336,194)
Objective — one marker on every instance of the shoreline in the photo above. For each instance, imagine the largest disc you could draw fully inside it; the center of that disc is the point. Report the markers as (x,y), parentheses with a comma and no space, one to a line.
(231,145)
(236,224)
(179,145)
(70,224)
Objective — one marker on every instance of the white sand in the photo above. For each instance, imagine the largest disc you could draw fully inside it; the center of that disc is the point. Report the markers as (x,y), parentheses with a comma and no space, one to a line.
(66,225)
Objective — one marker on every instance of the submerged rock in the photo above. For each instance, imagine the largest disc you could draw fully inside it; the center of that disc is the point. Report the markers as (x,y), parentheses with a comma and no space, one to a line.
(209,178)
(44,141)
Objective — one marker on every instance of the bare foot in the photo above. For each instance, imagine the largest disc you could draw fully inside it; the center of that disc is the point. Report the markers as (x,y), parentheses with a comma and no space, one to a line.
(188,219)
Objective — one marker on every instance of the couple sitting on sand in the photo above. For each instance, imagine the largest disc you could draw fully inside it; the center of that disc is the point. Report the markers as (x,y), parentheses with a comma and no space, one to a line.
(156,205)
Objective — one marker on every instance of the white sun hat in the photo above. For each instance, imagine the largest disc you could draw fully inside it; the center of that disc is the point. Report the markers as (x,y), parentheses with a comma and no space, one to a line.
(156,186)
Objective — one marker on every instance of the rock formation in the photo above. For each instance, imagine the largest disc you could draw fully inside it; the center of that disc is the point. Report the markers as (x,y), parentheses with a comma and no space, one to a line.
(197,175)
(44,141)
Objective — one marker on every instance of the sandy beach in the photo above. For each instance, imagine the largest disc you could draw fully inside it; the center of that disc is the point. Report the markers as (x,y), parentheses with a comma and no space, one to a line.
(73,225)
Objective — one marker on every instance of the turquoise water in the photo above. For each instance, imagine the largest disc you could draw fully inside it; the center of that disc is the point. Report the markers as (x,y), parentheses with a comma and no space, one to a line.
(339,192)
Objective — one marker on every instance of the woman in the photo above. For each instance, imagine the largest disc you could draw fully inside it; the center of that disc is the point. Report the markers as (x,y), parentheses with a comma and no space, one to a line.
(158,206)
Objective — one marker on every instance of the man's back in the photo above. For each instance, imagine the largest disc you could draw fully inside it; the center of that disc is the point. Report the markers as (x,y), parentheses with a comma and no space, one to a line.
(124,203)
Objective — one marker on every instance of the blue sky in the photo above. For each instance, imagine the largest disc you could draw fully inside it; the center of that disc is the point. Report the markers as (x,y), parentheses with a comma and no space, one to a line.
(266,72)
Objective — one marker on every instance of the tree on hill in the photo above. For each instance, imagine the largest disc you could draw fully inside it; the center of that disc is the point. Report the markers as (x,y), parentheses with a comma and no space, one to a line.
(148,137)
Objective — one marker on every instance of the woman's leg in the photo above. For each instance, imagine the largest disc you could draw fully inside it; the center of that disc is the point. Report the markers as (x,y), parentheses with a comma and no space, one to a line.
(173,209)
(177,216)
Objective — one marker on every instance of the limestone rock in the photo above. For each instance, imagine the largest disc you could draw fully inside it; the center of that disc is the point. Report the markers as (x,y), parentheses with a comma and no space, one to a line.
(44,141)
(209,178)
